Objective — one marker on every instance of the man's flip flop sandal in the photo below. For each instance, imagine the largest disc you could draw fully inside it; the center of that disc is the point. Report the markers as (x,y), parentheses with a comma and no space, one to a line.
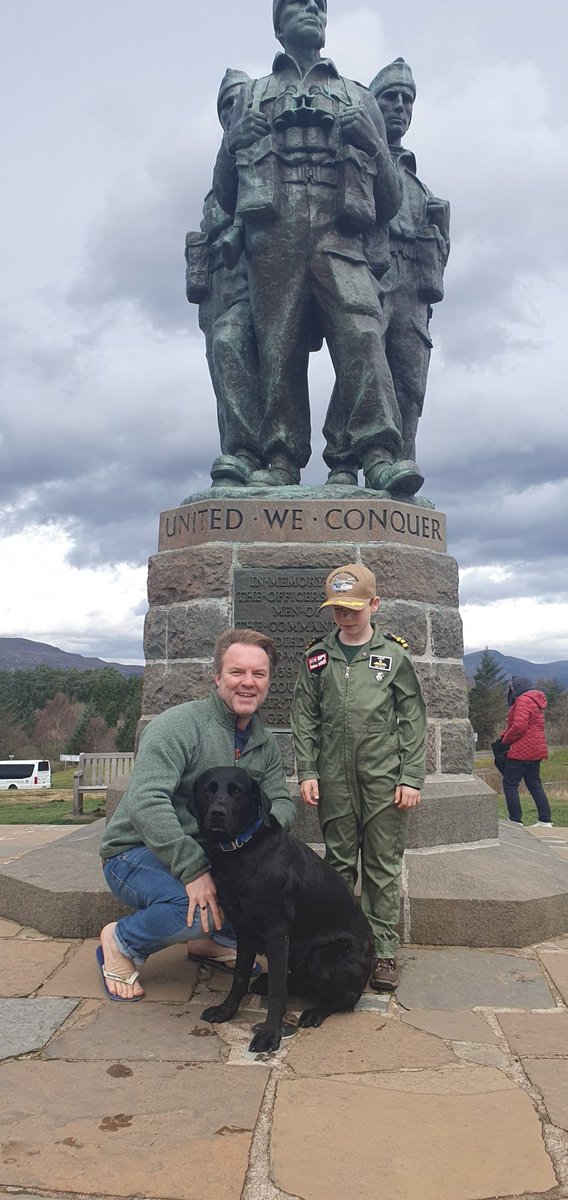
(220,963)
(118,978)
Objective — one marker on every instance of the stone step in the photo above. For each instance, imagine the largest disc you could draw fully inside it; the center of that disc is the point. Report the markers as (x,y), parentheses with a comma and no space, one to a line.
(511,893)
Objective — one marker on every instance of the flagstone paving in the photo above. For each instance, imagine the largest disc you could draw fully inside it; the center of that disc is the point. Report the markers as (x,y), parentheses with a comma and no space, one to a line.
(8,928)
(24,965)
(455,1089)
(556,963)
(167,976)
(27,1025)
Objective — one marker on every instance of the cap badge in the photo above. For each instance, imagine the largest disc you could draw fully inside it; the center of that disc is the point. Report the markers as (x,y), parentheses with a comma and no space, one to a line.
(343,584)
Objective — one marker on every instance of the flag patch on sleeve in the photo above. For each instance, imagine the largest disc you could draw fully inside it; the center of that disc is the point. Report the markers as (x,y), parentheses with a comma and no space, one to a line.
(317,662)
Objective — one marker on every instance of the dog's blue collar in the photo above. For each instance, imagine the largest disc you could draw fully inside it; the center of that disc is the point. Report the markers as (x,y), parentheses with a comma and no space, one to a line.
(242,838)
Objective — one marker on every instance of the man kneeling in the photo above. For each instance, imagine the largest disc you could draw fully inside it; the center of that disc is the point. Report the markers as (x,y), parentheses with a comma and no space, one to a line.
(154,860)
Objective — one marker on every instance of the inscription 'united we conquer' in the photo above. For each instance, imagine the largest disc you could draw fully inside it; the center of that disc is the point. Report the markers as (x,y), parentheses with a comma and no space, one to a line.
(315,521)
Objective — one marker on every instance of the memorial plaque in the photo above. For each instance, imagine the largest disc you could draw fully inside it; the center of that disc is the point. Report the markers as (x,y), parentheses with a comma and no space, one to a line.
(283,603)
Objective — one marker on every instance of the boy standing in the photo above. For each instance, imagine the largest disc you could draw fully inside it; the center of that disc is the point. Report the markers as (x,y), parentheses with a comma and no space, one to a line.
(359,726)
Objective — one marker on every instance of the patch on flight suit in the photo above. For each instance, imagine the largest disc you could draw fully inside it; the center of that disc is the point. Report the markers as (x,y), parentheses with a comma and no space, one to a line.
(380,662)
(394,638)
(318,662)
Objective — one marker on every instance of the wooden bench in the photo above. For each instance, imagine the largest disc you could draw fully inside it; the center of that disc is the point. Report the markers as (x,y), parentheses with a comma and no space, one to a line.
(95,774)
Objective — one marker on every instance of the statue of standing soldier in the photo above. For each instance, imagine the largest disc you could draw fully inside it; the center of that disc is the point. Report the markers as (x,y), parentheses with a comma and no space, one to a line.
(294,238)
(222,292)
(419,247)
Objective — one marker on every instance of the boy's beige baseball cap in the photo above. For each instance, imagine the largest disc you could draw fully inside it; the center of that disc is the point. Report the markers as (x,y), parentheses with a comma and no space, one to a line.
(351,586)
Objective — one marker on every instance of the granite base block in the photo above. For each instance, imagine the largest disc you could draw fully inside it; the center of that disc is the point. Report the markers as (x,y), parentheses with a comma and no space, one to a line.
(514,893)
(451,813)
(60,889)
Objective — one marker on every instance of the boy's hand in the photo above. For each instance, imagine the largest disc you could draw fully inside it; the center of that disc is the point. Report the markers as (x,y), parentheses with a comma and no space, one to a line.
(406,797)
(310,792)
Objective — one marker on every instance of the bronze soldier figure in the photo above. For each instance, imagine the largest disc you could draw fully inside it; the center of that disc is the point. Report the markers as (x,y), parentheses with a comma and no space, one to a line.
(222,293)
(305,167)
(420,245)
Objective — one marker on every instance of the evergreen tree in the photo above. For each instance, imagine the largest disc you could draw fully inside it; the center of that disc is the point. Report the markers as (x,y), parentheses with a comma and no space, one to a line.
(14,738)
(553,691)
(488,700)
(77,742)
(126,735)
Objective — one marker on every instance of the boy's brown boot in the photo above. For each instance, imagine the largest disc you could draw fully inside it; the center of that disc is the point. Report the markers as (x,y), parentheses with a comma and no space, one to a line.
(385,975)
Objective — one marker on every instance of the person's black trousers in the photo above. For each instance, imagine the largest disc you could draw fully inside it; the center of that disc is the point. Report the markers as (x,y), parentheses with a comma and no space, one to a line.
(516,771)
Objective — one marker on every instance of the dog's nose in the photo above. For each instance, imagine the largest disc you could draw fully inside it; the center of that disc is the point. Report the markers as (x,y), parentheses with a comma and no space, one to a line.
(216,814)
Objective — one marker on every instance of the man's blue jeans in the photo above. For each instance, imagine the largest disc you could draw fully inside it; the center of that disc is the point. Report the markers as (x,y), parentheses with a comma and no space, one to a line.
(515,771)
(144,883)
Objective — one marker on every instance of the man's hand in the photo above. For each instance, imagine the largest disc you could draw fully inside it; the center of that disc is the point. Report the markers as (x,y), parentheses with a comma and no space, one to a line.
(203,896)
(310,792)
(359,130)
(251,127)
(406,797)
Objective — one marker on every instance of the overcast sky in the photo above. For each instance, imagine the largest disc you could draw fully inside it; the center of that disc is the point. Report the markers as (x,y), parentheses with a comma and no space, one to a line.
(107,417)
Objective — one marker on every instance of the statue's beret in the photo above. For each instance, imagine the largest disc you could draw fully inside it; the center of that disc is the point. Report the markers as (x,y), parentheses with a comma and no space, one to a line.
(230,79)
(397,72)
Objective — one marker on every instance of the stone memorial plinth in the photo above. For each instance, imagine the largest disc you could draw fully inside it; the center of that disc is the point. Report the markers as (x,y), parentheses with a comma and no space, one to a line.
(261,562)
(462,883)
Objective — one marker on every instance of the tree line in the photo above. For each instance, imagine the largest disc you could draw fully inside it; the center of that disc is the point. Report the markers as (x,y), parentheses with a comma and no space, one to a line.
(48,711)
(488,704)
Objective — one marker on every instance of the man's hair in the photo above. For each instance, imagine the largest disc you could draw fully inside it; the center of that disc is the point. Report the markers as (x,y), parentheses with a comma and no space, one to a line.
(244,637)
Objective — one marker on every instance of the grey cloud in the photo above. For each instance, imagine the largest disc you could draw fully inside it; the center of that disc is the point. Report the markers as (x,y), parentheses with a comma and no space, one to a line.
(135,247)
(108,414)
(545,578)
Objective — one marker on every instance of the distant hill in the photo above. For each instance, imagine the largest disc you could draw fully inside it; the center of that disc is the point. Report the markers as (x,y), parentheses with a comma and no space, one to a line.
(20,654)
(520,666)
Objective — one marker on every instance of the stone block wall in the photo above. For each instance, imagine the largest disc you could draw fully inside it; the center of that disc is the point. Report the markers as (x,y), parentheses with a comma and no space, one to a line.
(190,593)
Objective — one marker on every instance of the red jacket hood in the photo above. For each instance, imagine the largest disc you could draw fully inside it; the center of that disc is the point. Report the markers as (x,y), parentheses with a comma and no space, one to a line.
(538,697)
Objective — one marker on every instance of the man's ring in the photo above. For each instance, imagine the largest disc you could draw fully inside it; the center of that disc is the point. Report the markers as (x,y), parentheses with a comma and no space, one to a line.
(203,907)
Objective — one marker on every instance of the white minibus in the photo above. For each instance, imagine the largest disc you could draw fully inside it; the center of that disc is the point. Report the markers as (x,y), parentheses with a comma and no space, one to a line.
(25,773)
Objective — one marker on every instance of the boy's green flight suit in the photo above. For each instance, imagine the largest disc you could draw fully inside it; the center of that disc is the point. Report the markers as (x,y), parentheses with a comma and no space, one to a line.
(360,729)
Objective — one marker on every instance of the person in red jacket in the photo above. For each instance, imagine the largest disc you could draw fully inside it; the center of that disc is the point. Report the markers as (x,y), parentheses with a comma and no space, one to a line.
(525,742)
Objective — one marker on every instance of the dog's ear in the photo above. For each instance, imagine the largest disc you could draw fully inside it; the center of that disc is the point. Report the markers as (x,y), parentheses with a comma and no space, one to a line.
(196,802)
(262,800)
(193,805)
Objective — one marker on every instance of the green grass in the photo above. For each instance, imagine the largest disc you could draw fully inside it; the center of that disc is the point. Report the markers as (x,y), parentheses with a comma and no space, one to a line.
(558,811)
(61,780)
(553,772)
(48,812)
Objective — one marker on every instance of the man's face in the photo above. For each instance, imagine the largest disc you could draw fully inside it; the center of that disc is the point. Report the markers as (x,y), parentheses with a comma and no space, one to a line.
(396,104)
(228,107)
(244,679)
(302,23)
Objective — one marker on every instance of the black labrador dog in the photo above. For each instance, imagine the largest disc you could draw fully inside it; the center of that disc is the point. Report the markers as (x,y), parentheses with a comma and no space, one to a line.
(283,902)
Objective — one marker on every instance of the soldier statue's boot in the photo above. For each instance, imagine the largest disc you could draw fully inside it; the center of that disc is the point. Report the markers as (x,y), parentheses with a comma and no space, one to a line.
(231,469)
(402,478)
(283,472)
(345,474)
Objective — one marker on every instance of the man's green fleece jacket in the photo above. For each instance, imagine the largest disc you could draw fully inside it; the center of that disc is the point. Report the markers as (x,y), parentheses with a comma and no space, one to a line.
(175,748)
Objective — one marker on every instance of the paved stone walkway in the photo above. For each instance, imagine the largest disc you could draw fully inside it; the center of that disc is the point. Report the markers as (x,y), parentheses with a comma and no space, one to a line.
(457,1089)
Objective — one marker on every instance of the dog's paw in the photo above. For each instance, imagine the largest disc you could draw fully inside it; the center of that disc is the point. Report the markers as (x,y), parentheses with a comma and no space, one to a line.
(311,1018)
(259,986)
(217,1014)
(265,1041)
